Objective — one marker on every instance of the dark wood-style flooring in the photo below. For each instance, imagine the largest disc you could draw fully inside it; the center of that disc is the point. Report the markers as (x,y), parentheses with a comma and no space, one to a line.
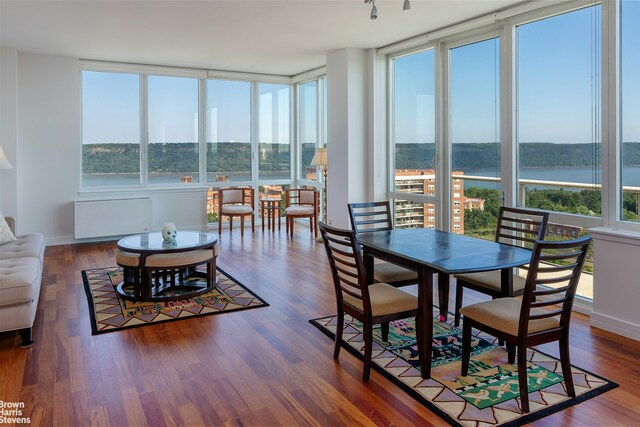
(266,366)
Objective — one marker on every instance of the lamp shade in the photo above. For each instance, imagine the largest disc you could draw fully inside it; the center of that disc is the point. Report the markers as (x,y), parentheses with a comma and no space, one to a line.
(320,157)
(4,162)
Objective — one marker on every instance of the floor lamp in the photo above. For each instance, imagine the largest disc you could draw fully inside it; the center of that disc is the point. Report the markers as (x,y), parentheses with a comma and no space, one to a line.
(320,159)
(4,164)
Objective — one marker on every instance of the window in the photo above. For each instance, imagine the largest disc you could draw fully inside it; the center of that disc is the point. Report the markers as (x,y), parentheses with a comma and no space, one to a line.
(274,143)
(413,134)
(308,127)
(559,142)
(173,130)
(413,118)
(474,132)
(110,129)
(228,131)
(630,109)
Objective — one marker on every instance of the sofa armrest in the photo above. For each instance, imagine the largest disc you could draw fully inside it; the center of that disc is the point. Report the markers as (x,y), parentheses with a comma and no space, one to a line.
(11,223)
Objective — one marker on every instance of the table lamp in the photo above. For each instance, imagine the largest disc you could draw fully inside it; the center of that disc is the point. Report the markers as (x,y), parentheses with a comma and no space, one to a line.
(4,162)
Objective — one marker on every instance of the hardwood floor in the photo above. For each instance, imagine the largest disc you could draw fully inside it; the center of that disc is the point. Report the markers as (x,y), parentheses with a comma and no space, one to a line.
(266,366)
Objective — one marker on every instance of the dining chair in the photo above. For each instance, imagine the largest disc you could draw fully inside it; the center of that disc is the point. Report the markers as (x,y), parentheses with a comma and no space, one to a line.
(371,217)
(302,203)
(374,304)
(516,227)
(542,316)
(236,201)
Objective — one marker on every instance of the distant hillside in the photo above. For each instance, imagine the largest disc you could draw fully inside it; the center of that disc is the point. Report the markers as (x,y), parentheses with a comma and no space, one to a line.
(236,157)
(484,155)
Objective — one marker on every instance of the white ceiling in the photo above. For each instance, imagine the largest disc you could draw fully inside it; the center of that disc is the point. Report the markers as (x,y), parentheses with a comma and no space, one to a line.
(260,36)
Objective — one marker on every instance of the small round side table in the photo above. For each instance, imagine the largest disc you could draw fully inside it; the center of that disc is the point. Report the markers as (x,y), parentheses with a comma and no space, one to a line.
(271,207)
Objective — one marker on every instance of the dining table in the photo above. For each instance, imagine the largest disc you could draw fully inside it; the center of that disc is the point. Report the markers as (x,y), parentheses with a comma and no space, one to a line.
(429,251)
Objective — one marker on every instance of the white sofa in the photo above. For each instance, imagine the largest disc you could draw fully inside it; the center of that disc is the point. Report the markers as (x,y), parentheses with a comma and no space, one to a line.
(21,264)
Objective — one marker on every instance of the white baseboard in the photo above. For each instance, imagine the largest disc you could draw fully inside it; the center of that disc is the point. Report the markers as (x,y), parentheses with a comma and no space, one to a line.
(617,326)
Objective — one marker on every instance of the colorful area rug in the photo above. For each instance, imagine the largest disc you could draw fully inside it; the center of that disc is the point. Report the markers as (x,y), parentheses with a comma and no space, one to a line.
(489,395)
(109,312)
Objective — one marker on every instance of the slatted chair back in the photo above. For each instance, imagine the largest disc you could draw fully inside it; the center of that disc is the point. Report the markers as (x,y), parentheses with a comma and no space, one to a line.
(521,227)
(370,217)
(552,281)
(346,265)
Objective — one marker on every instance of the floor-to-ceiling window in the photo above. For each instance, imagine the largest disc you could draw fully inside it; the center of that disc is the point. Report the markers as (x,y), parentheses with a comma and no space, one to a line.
(558,113)
(630,109)
(558,108)
(228,115)
(173,129)
(308,127)
(148,130)
(474,133)
(413,139)
(110,129)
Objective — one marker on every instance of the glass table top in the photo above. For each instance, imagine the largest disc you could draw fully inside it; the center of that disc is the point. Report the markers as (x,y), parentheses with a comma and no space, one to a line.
(154,241)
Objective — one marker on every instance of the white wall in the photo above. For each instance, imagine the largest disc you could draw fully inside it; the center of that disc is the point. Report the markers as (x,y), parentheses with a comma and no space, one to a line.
(616,284)
(347,127)
(8,128)
(47,110)
(48,143)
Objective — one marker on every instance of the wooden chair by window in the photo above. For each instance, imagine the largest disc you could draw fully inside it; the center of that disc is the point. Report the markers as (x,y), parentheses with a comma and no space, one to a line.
(516,227)
(235,202)
(302,203)
(372,217)
(378,303)
(542,316)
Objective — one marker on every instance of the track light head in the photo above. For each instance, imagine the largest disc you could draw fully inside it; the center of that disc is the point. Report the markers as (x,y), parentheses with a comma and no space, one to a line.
(374,11)
(406,5)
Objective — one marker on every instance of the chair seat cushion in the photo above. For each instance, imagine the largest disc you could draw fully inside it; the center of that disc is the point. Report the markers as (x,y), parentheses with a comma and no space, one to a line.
(387,272)
(299,210)
(127,259)
(490,280)
(19,280)
(503,314)
(385,299)
(237,209)
(179,259)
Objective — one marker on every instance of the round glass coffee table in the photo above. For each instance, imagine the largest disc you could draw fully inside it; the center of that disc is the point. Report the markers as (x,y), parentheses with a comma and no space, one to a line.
(157,270)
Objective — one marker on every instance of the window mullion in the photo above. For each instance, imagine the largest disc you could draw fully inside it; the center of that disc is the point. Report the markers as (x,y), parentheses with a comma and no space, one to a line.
(144,131)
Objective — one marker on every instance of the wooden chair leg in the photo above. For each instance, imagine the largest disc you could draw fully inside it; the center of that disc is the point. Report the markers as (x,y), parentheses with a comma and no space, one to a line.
(368,349)
(565,362)
(384,328)
(339,327)
(459,293)
(466,348)
(523,381)
(253,222)
(511,353)
(230,224)
(292,221)
(219,223)
(286,224)
(241,225)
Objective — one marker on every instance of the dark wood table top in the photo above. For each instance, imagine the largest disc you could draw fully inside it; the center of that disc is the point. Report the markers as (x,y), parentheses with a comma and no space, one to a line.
(445,252)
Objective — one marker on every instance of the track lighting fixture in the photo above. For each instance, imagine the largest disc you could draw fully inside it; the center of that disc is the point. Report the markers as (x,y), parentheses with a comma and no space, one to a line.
(374,10)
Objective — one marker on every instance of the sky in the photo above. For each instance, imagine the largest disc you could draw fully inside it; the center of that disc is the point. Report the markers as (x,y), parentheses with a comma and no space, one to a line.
(558,66)
(558,69)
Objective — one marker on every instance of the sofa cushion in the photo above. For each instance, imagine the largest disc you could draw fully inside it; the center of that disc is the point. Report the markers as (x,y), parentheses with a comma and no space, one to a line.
(19,280)
(26,245)
(6,235)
